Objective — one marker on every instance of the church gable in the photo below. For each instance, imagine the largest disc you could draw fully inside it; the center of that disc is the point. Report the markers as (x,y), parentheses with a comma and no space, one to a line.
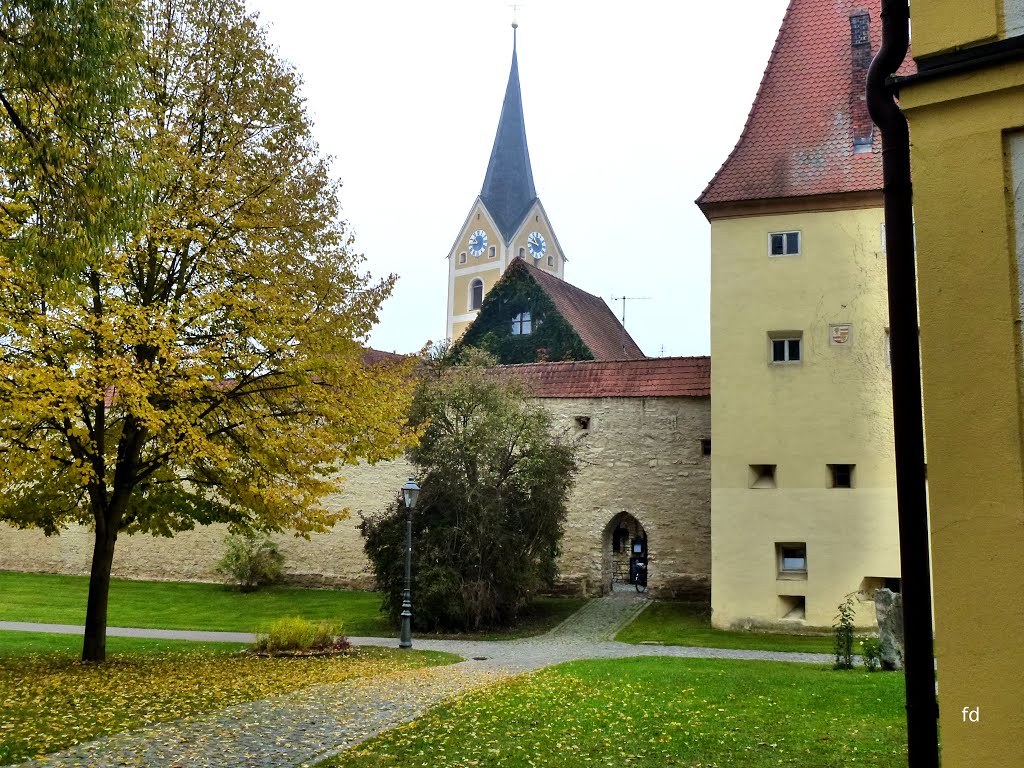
(520,323)
(470,248)
(534,242)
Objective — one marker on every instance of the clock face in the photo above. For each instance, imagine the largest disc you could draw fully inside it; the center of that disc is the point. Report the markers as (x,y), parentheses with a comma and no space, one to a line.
(535,242)
(478,242)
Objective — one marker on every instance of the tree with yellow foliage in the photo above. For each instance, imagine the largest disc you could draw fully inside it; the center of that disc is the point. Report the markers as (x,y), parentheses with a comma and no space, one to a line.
(201,360)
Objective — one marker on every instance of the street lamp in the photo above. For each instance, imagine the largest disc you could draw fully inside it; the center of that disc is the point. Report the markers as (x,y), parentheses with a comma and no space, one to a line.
(410,493)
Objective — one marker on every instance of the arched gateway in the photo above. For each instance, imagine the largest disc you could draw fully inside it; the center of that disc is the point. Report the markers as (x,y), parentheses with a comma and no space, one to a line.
(624,545)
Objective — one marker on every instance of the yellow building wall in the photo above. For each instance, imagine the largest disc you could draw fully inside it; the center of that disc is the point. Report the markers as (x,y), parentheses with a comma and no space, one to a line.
(969,280)
(834,407)
(940,25)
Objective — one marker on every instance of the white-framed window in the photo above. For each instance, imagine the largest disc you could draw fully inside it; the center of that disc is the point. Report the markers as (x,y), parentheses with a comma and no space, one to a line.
(551,259)
(462,258)
(785,347)
(784,244)
(522,325)
(522,253)
(492,252)
(476,293)
(840,475)
(791,558)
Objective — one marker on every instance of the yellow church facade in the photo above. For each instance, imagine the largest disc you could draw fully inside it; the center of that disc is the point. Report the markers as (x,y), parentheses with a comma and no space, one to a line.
(803,476)
(965,108)
(480,256)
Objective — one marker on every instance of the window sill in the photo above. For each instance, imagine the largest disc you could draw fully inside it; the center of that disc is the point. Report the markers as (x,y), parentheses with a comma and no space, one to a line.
(792,576)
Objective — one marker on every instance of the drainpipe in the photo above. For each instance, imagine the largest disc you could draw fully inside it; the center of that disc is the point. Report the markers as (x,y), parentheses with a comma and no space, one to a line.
(919,659)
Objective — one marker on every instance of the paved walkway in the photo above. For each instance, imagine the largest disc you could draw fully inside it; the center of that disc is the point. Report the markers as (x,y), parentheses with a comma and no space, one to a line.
(304,727)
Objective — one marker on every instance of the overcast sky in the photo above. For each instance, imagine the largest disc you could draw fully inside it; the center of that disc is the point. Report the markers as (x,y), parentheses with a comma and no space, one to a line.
(630,109)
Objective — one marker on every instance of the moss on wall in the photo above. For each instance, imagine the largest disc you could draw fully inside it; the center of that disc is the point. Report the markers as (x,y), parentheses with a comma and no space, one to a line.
(552,337)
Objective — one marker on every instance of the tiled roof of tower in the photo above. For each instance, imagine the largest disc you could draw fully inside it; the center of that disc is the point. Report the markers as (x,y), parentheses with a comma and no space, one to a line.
(650,377)
(508,190)
(798,138)
(591,318)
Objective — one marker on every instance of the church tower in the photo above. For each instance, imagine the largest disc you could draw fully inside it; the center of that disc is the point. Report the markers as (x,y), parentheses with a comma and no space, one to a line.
(506,221)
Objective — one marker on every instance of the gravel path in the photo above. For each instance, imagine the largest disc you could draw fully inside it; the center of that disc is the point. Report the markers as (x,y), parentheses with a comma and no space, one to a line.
(304,727)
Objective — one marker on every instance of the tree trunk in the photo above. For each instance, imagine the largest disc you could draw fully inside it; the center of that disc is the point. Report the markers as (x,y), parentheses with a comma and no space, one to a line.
(94,646)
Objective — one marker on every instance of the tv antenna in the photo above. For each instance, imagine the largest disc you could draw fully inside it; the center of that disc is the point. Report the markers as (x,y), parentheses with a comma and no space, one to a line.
(624,299)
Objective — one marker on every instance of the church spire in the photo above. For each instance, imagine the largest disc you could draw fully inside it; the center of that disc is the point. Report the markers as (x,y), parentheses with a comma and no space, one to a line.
(508,190)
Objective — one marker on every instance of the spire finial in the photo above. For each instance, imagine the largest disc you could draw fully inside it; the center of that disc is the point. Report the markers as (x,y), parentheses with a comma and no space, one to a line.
(515,18)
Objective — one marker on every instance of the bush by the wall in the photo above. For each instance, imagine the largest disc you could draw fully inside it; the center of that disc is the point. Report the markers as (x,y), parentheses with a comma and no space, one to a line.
(250,561)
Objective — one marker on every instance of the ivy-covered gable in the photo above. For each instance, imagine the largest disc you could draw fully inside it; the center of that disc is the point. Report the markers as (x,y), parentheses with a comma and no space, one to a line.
(519,323)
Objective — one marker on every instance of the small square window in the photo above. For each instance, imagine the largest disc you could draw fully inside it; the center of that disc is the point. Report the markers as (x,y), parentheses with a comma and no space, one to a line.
(762,475)
(784,243)
(840,475)
(705,447)
(786,347)
(583,422)
(492,252)
(522,324)
(792,607)
(792,560)
(462,258)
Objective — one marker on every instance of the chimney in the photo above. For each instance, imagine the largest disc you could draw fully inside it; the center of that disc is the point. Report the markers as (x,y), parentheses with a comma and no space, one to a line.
(860,57)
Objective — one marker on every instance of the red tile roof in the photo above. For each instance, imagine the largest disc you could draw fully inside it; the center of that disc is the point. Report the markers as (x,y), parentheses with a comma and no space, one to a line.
(589,316)
(798,138)
(650,377)
(373,356)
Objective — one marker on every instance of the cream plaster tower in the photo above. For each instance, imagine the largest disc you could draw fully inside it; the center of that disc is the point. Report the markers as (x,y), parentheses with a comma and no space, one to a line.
(803,492)
(505,221)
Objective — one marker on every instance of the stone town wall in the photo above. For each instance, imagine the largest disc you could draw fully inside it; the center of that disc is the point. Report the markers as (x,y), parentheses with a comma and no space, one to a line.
(330,559)
(640,455)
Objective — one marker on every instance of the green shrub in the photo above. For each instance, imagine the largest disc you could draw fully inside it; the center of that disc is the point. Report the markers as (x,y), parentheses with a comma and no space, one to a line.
(293,633)
(842,632)
(495,477)
(871,651)
(250,561)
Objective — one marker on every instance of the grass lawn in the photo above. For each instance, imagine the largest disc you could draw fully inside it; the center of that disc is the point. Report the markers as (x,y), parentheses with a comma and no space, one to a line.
(57,599)
(175,605)
(49,700)
(655,712)
(689,624)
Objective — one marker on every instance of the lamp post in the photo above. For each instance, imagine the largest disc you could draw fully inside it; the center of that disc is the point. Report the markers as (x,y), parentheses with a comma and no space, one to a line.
(410,493)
